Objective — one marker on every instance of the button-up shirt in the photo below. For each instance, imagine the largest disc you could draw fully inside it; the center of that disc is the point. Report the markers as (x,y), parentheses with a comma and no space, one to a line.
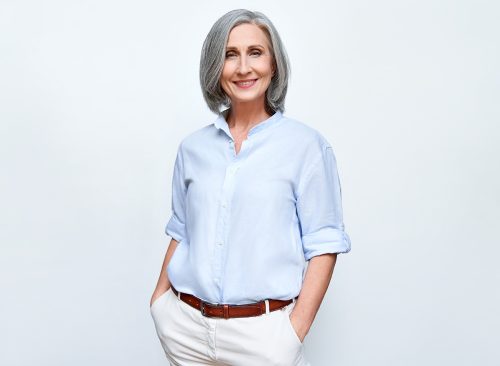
(246,222)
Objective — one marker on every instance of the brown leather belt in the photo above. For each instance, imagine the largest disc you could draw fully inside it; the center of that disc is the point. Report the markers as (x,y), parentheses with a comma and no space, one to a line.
(230,311)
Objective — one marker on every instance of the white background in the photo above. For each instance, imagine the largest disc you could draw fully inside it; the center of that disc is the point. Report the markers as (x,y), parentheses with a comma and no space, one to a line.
(95,97)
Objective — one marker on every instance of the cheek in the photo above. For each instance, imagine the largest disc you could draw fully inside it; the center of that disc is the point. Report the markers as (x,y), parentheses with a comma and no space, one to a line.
(226,71)
(225,81)
(264,68)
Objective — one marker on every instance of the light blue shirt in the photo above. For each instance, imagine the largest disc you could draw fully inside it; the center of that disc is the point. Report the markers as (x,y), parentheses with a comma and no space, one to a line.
(247,222)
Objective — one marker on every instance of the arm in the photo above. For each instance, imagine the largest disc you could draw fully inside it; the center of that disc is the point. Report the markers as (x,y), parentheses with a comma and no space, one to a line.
(319,209)
(317,278)
(163,283)
(176,227)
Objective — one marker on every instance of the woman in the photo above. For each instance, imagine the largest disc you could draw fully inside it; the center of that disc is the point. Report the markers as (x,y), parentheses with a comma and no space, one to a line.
(255,196)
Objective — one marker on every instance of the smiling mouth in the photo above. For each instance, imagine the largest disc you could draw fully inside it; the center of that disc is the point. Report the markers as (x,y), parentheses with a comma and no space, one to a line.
(245,84)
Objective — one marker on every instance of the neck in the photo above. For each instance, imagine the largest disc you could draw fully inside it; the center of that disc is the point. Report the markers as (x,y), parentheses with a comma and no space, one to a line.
(243,116)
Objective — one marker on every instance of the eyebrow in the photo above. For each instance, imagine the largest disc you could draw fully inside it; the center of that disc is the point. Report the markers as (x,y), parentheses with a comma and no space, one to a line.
(251,46)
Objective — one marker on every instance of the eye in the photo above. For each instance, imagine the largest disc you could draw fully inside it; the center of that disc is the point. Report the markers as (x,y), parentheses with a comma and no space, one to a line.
(230,54)
(255,53)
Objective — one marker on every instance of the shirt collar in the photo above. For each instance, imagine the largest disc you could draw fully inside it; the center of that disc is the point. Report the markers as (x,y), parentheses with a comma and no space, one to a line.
(221,123)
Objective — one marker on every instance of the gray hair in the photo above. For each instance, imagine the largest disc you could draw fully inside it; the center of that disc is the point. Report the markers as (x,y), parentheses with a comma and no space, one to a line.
(213,55)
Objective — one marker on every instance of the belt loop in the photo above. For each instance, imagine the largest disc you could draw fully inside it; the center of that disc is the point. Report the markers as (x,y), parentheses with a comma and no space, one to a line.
(293,300)
(267,306)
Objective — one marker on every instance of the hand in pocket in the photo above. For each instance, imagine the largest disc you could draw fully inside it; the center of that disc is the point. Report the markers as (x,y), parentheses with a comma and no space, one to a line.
(156,296)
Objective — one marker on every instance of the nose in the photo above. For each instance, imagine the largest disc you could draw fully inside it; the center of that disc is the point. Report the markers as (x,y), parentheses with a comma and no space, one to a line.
(244,67)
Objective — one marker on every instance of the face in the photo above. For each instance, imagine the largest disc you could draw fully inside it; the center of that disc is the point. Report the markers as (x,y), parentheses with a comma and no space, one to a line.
(248,66)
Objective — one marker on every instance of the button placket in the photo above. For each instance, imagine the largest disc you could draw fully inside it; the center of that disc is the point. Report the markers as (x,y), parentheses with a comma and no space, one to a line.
(224,211)
(222,220)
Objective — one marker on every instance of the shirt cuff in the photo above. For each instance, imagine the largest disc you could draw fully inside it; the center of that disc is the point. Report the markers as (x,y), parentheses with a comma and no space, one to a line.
(175,229)
(328,240)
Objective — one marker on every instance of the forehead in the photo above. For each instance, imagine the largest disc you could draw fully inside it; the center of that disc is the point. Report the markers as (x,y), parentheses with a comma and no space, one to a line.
(247,34)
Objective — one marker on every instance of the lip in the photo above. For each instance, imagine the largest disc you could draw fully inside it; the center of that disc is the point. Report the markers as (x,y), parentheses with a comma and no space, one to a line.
(245,86)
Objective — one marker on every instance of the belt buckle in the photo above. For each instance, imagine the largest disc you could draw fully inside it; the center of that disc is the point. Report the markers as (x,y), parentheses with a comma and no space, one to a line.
(202,308)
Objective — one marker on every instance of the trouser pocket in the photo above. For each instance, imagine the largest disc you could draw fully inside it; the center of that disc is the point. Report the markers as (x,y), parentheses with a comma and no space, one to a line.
(291,330)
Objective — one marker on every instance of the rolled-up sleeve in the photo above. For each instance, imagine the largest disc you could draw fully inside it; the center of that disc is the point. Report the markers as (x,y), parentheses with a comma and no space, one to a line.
(176,226)
(319,208)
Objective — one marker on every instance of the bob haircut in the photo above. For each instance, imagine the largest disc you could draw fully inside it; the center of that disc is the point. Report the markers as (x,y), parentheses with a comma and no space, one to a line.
(213,56)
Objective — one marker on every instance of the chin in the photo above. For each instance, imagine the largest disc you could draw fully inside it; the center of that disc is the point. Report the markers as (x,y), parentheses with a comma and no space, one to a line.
(246,98)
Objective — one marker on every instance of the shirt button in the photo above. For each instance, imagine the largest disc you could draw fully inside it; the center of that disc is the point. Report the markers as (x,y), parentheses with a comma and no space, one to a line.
(224,204)
(219,244)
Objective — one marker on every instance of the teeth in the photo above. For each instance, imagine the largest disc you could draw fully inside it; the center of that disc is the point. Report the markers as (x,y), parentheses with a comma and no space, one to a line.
(246,83)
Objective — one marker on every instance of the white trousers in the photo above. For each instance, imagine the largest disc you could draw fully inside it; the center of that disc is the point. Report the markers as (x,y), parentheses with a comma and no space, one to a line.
(189,338)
